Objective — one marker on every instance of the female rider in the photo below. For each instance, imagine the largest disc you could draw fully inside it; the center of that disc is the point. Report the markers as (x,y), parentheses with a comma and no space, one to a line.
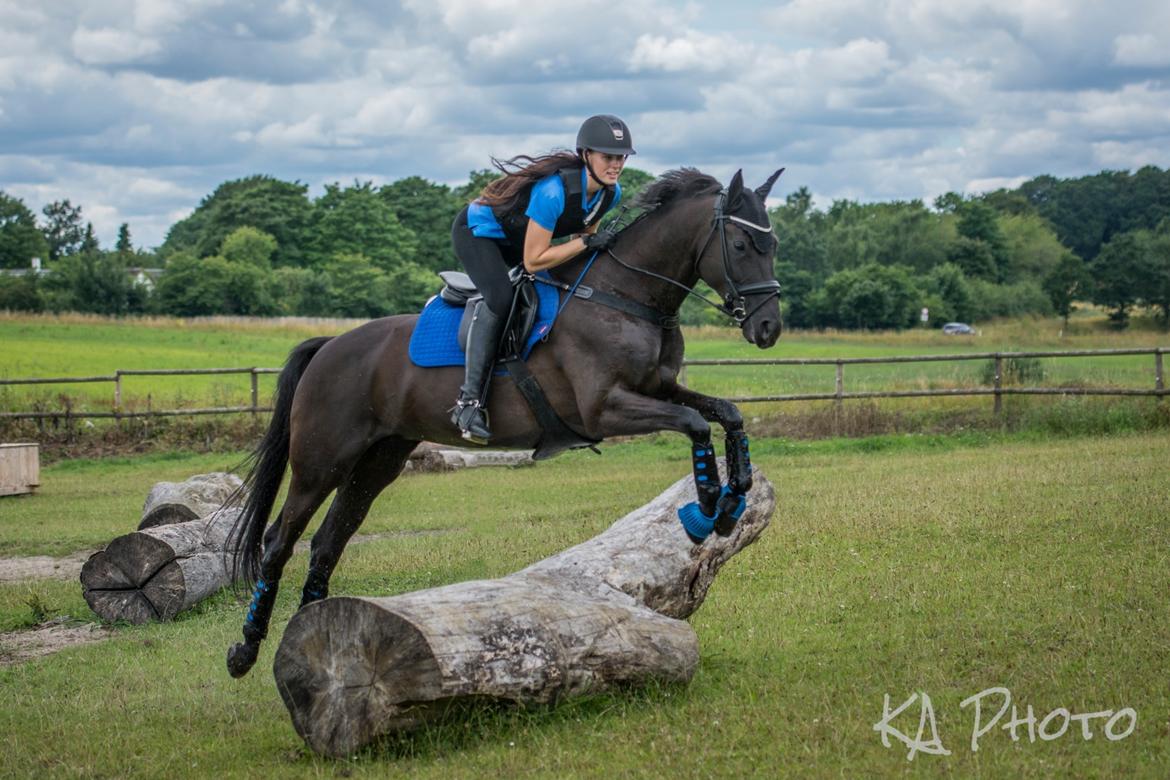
(514,222)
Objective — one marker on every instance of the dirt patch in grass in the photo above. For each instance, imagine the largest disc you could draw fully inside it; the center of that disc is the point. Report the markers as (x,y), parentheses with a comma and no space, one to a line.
(20,646)
(40,567)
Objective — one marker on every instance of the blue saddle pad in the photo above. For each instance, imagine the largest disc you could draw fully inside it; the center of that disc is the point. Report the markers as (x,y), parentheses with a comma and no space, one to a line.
(435,341)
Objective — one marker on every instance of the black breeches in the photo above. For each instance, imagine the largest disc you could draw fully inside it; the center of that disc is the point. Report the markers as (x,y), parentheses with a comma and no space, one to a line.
(484,261)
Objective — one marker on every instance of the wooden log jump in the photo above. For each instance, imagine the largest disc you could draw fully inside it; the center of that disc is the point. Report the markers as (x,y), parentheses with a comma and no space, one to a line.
(607,612)
(191,499)
(160,570)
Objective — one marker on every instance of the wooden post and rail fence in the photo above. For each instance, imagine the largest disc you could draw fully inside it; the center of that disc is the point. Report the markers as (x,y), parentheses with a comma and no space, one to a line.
(998,389)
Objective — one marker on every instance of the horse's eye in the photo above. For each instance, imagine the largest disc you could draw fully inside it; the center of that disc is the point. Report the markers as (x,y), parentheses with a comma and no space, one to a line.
(740,245)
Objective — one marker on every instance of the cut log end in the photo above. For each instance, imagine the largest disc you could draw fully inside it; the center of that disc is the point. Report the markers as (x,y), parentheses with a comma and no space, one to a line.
(136,579)
(600,615)
(167,514)
(353,672)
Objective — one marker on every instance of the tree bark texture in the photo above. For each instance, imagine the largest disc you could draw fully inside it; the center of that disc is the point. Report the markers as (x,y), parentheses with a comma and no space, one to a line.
(181,502)
(608,612)
(165,567)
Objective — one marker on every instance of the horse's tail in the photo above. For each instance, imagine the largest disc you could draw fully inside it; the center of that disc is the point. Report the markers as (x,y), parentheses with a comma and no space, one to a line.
(267,464)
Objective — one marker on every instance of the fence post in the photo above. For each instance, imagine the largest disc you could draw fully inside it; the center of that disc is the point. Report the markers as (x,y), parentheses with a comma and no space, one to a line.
(998,383)
(682,375)
(118,394)
(255,391)
(1159,376)
(840,383)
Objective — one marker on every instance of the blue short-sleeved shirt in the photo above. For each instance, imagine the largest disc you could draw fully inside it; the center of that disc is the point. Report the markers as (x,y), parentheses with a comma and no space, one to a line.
(546,203)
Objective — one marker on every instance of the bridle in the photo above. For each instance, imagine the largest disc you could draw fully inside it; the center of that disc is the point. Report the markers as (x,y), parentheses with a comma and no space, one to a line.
(735,301)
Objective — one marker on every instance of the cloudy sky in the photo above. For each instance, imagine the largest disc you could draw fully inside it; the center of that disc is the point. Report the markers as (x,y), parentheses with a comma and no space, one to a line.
(136,109)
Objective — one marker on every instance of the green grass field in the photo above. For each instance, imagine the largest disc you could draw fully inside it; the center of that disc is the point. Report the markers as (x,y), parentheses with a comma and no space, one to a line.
(48,346)
(894,565)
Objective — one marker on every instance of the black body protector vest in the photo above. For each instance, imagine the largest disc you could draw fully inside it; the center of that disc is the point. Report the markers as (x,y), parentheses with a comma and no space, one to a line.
(573,219)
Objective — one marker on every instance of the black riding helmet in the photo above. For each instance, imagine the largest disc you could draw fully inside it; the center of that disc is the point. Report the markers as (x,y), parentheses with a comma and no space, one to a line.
(605,133)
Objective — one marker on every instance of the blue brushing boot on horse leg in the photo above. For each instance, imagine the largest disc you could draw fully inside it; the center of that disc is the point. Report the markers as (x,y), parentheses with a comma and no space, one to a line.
(514,221)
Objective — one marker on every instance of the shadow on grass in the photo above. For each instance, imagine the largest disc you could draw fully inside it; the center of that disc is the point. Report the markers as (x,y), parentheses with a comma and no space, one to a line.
(468,724)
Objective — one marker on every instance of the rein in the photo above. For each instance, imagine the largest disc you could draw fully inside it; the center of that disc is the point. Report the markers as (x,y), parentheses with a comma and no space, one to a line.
(734,303)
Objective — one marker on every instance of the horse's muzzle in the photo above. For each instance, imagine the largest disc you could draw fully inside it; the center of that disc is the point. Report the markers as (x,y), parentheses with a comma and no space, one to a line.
(762,331)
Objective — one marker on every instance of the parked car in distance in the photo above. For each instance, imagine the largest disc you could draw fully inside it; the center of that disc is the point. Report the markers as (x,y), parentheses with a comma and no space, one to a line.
(958,329)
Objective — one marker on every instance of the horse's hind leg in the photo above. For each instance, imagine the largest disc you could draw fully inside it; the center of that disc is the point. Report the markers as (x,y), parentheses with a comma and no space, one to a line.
(303,500)
(378,467)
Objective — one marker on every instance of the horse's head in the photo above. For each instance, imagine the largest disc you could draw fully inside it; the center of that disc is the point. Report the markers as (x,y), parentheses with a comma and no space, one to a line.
(736,260)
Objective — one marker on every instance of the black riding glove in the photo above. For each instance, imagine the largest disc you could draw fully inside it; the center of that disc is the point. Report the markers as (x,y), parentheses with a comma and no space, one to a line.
(601,240)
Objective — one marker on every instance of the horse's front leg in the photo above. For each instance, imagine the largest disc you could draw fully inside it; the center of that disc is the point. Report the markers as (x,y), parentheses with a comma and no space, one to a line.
(738,455)
(627,413)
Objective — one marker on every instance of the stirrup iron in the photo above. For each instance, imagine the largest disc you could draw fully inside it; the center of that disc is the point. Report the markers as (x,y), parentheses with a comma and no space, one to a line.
(464,415)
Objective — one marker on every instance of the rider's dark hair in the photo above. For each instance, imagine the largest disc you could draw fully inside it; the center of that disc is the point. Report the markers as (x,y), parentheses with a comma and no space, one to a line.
(522,171)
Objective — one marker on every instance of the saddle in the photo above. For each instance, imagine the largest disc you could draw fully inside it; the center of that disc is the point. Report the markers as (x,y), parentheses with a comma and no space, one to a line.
(459,291)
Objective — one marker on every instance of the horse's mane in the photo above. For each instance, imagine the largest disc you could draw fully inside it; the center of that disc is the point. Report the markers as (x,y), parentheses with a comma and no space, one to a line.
(675,185)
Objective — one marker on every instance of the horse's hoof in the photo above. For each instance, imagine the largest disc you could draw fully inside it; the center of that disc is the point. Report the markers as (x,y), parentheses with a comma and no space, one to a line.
(731,508)
(695,523)
(241,657)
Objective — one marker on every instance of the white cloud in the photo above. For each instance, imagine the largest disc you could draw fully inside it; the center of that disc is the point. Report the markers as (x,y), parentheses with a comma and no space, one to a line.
(1141,50)
(108,46)
(693,51)
(139,108)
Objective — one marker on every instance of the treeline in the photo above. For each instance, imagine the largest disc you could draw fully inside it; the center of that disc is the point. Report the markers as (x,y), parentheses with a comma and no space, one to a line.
(261,246)
(1035,249)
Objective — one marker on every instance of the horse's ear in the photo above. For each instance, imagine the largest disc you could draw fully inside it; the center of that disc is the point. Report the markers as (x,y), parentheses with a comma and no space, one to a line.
(766,187)
(735,190)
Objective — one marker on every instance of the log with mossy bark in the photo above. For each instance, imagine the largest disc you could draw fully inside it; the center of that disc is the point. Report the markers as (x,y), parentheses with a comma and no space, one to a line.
(610,611)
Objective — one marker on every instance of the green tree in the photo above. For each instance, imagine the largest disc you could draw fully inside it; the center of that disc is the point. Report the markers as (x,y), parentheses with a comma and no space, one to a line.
(301,291)
(94,282)
(476,181)
(427,210)
(948,282)
(873,296)
(949,203)
(796,295)
(1033,250)
(978,224)
(249,245)
(21,293)
(20,239)
(89,240)
(124,246)
(1156,273)
(1117,273)
(800,236)
(63,231)
(410,287)
(194,286)
(633,181)
(974,257)
(359,288)
(279,208)
(357,221)
(1066,283)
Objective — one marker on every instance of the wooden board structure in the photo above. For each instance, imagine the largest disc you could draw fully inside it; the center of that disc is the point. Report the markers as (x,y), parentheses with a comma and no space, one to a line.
(20,468)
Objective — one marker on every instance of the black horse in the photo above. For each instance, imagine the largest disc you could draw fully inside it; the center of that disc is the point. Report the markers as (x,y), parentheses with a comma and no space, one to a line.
(350,409)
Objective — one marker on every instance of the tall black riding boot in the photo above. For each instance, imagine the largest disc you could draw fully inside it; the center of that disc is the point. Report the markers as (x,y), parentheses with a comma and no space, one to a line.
(483,339)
